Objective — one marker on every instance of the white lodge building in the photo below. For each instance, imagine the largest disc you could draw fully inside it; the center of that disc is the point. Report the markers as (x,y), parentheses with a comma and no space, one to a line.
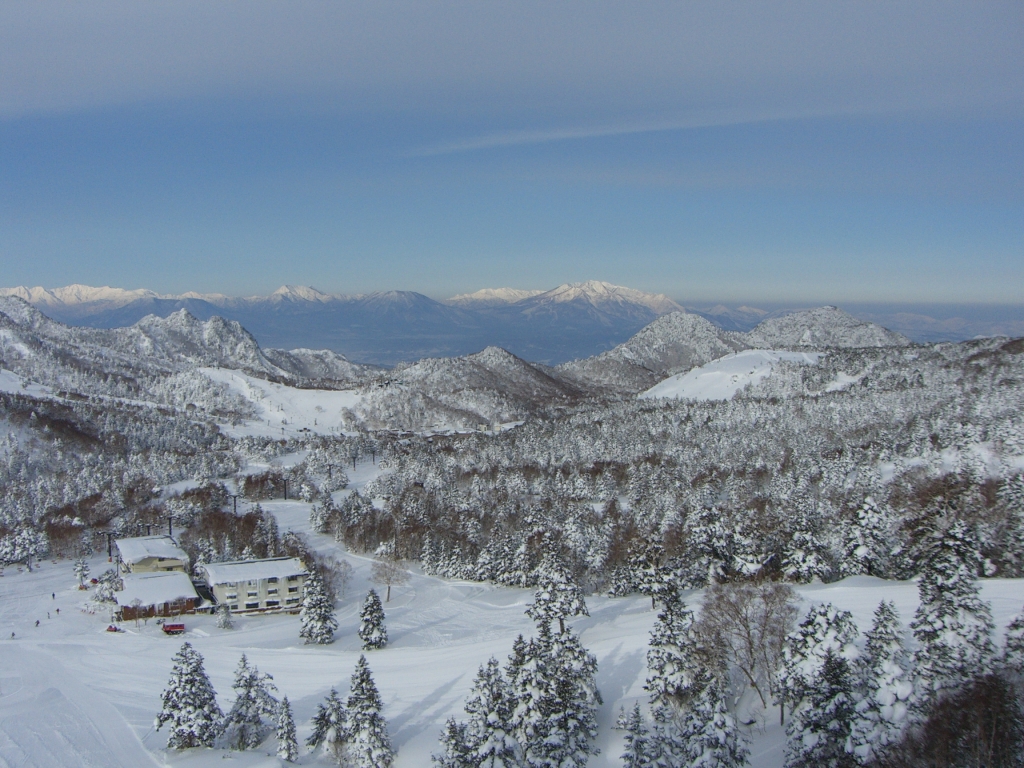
(150,554)
(273,584)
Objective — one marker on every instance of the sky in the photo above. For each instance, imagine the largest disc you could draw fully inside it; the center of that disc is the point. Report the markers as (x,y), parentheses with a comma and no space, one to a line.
(738,152)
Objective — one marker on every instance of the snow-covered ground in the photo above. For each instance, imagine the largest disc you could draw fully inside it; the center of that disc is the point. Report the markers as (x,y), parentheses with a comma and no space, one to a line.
(72,694)
(722,378)
(13,383)
(284,410)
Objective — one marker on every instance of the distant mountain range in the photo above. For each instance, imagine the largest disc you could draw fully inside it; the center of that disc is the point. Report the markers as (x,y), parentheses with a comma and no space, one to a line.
(574,321)
(490,386)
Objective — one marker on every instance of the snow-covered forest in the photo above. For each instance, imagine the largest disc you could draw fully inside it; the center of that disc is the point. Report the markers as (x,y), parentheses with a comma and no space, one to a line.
(870,461)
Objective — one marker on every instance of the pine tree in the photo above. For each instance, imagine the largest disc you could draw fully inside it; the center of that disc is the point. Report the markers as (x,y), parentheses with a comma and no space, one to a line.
(819,733)
(886,686)
(637,754)
(1013,652)
(254,700)
(81,570)
(329,725)
(455,749)
(224,617)
(366,732)
(554,690)
(529,675)
(189,703)
(488,733)
(372,631)
(868,542)
(710,735)
(952,625)
(818,683)
(678,666)
(287,745)
(665,744)
(557,597)
(316,618)
(573,718)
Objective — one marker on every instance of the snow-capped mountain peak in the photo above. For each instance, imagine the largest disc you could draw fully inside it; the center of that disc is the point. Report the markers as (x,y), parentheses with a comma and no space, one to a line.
(492,297)
(598,293)
(77,294)
(300,293)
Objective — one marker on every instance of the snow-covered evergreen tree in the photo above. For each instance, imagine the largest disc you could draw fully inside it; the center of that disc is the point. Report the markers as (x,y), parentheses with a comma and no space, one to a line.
(316,618)
(488,732)
(952,625)
(529,673)
(254,700)
(710,735)
(886,686)
(678,666)
(366,732)
(455,749)
(1013,650)
(189,703)
(554,690)
(329,724)
(868,542)
(819,733)
(81,570)
(818,685)
(372,630)
(287,745)
(557,596)
(638,749)
(106,585)
(224,617)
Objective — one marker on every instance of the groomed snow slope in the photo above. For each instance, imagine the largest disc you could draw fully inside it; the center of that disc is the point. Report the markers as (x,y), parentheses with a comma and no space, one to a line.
(284,410)
(721,379)
(73,695)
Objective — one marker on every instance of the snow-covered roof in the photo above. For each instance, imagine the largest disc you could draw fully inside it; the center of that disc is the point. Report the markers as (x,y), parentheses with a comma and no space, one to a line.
(155,588)
(142,547)
(253,570)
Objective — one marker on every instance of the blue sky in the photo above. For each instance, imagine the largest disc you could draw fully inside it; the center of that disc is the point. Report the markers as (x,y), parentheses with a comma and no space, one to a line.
(786,152)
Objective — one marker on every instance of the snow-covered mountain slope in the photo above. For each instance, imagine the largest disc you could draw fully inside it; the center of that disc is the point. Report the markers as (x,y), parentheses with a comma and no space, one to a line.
(724,377)
(820,328)
(77,294)
(489,387)
(491,297)
(597,299)
(32,340)
(673,343)
(322,366)
(282,411)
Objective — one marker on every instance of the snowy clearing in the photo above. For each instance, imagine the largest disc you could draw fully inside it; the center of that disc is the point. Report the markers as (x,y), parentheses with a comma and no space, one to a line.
(722,378)
(12,383)
(284,410)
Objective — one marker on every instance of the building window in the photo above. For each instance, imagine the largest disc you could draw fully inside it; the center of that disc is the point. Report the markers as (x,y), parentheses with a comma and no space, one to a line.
(272,603)
(293,578)
(272,591)
(232,596)
(272,580)
(252,605)
(233,607)
(292,590)
(291,600)
(252,594)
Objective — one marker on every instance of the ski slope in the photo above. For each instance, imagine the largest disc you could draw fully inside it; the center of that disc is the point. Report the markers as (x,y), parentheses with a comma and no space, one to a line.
(722,378)
(72,694)
(284,410)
